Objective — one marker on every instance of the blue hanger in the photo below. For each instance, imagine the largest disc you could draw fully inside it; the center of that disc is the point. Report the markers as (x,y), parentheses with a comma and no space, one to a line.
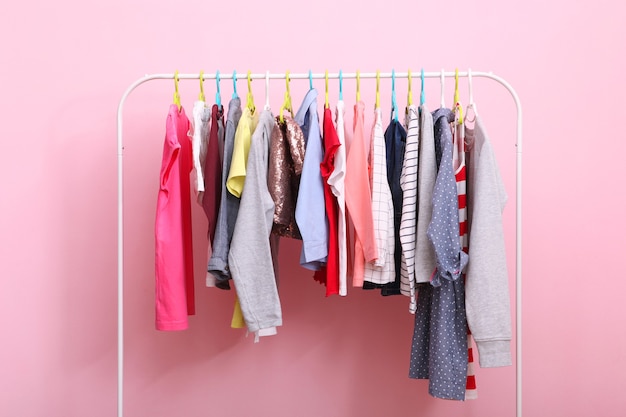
(235,85)
(341,85)
(218,96)
(310,80)
(394,104)
(422,95)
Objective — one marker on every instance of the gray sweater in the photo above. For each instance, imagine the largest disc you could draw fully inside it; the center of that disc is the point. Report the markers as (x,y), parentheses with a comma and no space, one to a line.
(425,260)
(487,291)
(250,256)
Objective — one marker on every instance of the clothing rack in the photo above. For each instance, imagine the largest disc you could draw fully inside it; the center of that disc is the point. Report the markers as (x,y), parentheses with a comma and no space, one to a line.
(267,76)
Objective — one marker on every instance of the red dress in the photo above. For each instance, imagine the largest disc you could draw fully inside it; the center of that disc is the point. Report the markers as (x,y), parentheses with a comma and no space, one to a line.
(330,273)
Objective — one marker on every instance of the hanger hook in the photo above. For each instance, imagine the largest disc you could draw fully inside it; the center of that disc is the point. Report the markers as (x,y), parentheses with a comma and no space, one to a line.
(235,84)
(201,95)
(377,89)
(422,94)
(442,81)
(326,86)
(358,86)
(290,107)
(250,97)
(287,100)
(218,93)
(394,104)
(310,80)
(456,87)
(267,90)
(176,94)
(409,97)
(469,84)
(340,84)
(457,98)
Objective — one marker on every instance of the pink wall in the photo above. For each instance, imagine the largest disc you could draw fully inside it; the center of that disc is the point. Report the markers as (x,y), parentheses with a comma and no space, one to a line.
(64,67)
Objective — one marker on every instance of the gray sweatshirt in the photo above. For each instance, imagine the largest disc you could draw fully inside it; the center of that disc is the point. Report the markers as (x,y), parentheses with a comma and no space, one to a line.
(250,256)
(487,291)
(425,260)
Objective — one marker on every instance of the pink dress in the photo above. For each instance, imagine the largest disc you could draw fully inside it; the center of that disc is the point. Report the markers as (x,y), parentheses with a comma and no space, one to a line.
(174,251)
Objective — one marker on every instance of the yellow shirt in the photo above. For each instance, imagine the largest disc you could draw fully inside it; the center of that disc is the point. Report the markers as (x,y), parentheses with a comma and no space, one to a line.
(241,147)
(237,321)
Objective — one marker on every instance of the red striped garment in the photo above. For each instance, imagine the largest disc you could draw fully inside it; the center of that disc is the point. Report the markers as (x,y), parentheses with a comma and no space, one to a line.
(460,176)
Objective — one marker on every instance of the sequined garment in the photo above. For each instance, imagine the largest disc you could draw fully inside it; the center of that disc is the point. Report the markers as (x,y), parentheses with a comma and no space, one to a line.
(285,167)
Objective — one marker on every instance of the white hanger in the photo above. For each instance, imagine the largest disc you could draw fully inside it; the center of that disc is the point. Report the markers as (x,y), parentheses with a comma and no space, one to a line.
(267,90)
(442,80)
(471,104)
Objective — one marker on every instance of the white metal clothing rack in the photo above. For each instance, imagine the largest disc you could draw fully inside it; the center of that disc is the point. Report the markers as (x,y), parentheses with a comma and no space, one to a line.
(267,76)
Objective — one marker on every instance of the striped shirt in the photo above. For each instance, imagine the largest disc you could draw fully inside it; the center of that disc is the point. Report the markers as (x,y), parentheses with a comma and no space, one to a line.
(408,222)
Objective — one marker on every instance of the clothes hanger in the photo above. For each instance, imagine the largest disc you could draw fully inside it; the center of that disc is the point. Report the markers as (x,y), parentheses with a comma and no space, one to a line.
(218,94)
(409,94)
(458,109)
(201,95)
(310,80)
(326,106)
(176,95)
(250,100)
(341,85)
(443,99)
(267,91)
(422,95)
(235,85)
(358,86)
(377,106)
(471,105)
(287,101)
(394,104)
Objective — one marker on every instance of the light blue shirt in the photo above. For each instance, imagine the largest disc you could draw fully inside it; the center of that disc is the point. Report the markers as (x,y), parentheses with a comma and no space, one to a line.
(310,209)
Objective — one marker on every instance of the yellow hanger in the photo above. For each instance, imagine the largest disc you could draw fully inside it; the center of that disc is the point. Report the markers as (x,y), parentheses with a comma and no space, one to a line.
(457,99)
(176,95)
(377,89)
(287,101)
(326,79)
(358,86)
(409,98)
(250,97)
(201,95)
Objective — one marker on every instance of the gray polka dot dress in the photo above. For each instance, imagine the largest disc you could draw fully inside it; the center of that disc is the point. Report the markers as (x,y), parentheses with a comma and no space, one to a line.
(439,349)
